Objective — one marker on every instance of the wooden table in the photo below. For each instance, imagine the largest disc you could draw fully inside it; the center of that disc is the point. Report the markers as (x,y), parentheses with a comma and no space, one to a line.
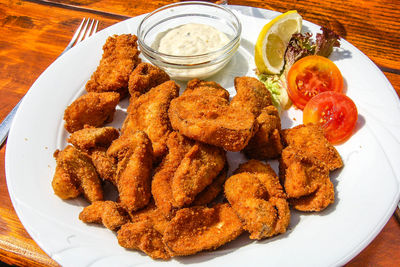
(34,33)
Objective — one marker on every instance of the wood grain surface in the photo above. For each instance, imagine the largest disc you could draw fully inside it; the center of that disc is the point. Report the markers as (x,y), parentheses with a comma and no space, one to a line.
(34,33)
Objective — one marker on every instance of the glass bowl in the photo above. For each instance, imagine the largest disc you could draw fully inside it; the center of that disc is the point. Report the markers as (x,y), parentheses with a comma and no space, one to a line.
(201,66)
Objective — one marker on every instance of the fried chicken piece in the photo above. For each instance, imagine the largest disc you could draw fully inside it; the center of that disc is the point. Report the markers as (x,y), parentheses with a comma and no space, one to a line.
(161,189)
(77,168)
(251,94)
(207,116)
(200,165)
(64,186)
(94,109)
(255,166)
(310,138)
(120,57)
(199,87)
(300,175)
(258,198)
(149,113)
(316,201)
(200,228)
(152,214)
(142,236)
(144,77)
(266,143)
(212,191)
(306,180)
(188,168)
(106,166)
(91,137)
(133,176)
(108,213)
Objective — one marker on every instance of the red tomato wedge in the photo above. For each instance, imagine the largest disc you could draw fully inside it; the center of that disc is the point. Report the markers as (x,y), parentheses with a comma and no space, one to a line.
(310,76)
(336,113)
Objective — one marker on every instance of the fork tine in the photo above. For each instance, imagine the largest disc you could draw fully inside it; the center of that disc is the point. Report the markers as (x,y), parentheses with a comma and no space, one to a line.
(83,32)
(95,27)
(75,36)
(89,30)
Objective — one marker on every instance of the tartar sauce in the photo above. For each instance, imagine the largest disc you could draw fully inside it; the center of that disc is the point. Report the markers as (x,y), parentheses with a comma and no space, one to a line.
(190,39)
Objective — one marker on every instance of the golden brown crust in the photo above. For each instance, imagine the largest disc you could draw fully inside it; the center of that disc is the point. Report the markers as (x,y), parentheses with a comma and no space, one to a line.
(152,214)
(213,190)
(199,87)
(316,201)
(94,109)
(251,94)
(310,139)
(300,174)
(120,57)
(64,185)
(105,165)
(142,236)
(91,137)
(200,165)
(200,228)
(149,113)
(133,175)
(80,168)
(208,117)
(108,213)
(258,198)
(306,180)
(144,77)
(266,143)
(161,189)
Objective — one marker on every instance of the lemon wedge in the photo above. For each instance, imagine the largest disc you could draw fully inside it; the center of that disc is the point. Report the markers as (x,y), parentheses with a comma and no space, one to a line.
(272,42)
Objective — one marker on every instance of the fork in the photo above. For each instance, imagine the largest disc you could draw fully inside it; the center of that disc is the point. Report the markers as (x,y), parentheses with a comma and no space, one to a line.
(86,29)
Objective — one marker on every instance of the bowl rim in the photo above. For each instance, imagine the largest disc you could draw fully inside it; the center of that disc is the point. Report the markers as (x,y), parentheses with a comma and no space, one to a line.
(226,47)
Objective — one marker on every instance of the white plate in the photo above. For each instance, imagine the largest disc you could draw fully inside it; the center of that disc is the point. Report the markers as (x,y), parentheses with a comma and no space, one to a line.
(367,189)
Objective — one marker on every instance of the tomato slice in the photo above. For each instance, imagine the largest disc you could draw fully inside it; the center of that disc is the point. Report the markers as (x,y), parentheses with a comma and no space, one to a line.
(336,113)
(310,76)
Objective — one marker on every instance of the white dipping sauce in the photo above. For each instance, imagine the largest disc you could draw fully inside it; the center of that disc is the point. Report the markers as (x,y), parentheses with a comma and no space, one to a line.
(190,39)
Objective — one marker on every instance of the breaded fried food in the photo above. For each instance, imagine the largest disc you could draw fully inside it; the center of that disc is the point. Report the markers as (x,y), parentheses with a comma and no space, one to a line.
(207,116)
(93,109)
(142,236)
(210,87)
(152,214)
(300,174)
(144,77)
(255,97)
(188,168)
(161,189)
(133,174)
(149,113)
(200,228)
(120,57)
(91,137)
(251,94)
(316,201)
(255,166)
(259,200)
(212,191)
(266,143)
(306,180)
(200,165)
(108,213)
(76,167)
(65,186)
(310,139)
(106,166)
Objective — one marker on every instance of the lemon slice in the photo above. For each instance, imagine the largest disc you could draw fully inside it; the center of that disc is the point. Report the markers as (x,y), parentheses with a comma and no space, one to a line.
(273,40)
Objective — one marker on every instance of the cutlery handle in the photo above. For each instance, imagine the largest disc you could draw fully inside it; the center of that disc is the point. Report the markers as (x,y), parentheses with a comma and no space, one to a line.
(6,124)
